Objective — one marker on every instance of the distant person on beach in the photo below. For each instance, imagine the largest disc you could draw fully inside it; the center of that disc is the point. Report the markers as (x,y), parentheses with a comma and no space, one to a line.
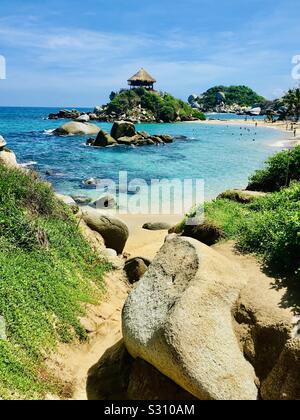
(295,132)
(256,124)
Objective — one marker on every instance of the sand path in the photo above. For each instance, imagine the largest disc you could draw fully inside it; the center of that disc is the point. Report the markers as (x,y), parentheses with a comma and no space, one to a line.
(74,362)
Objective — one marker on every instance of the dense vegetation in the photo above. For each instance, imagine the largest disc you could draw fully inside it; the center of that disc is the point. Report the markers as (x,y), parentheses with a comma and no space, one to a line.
(268,227)
(280,170)
(292,102)
(161,105)
(47,272)
(234,95)
(273,231)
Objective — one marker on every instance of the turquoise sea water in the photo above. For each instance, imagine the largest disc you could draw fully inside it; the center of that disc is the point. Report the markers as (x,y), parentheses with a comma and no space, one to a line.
(224,156)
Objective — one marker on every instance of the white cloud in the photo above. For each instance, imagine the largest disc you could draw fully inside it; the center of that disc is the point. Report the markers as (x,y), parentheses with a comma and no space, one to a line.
(79,63)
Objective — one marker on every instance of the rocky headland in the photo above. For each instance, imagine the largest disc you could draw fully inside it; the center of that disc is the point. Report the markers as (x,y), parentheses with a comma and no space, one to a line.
(137,106)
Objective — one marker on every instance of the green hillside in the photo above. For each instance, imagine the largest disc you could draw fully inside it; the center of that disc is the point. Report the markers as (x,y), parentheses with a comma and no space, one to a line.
(234,95)
(160,106)
(47,272)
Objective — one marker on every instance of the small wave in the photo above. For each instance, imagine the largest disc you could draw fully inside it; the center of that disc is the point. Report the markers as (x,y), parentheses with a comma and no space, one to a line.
(49,132)
(28,164)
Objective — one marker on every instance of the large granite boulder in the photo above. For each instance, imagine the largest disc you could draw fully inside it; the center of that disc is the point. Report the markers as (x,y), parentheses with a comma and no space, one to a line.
(179,319)
(123,129)
(77,128)
(65,114)
(83,118)
(135,268)
(128,141)
(7,157)
(206,232)
(156,226)
(105,202)
(114,232)
(103,140)
(166,138)
(2,143)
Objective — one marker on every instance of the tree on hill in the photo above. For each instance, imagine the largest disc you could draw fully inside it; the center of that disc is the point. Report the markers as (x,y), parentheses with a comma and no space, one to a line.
(162,106)
(292,101)
(233,95)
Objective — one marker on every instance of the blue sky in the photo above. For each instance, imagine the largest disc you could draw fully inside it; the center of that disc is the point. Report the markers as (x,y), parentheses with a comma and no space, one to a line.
(74,53)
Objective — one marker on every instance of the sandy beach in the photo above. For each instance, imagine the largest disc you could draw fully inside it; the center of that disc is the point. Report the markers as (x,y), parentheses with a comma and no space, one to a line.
(287,141)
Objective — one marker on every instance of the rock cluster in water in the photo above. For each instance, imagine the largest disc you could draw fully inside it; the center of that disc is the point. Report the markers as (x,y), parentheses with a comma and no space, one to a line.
(124,133)
(136,114)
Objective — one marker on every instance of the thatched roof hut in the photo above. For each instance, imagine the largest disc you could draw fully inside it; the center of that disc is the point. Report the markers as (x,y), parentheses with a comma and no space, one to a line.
(142,79)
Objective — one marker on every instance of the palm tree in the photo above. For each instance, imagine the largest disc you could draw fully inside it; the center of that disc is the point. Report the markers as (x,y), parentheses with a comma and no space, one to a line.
(292,100)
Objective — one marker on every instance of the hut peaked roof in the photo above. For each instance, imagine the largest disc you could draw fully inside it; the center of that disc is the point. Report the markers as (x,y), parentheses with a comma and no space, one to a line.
(142,76)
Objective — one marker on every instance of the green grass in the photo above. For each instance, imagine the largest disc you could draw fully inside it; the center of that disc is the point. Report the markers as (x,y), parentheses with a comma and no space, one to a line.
(47,273)
(279,171)
(272,230)
(268,227)
(226,214)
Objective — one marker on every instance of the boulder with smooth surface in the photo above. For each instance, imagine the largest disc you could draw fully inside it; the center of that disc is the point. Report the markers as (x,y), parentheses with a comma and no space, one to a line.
(83,118)
(106,202)
(206,232)
(114,232)
(103,140)
(179,319)
(7,157)
(156,226)
(122,129)
(135,268)
(77,128)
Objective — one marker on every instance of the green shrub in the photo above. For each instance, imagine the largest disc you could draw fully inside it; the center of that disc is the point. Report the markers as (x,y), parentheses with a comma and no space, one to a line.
(285,198)
(272,230)
(199,115)
(167,113)
(280,170)
(225,215)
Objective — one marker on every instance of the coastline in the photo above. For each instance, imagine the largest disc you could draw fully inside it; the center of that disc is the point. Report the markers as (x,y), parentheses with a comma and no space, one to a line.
(287,141)
(146,243)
